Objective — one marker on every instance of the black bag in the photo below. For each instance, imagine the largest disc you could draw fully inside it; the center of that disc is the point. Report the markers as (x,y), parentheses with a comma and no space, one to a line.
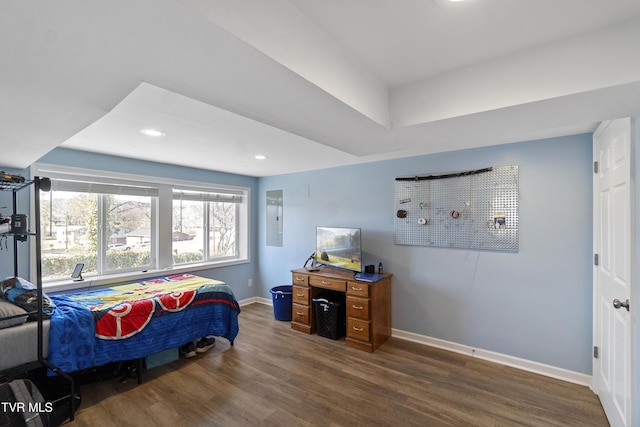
(24,294)
(23,405)
(56,390)
(28,301)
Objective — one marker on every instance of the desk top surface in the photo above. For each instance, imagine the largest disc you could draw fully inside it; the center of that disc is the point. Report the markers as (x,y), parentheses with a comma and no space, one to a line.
(333,273)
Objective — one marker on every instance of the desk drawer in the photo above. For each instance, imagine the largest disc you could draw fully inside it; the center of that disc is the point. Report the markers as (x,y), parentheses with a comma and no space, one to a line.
(301,313)
(328,283)
(301,295)
(358,329)
(300,279)
(357,307)
(358,289)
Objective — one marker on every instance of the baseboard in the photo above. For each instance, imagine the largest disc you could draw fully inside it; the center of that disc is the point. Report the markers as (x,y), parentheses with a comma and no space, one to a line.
(256,300)
(265,301)
(251,300)
(503,359)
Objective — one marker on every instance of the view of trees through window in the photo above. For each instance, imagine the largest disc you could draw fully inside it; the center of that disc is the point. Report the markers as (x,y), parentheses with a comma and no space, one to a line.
(112,232)
(223,230)
(71,233)
(68,232)
(190,220)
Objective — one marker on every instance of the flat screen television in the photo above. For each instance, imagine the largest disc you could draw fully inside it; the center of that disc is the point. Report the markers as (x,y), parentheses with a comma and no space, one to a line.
(339,247)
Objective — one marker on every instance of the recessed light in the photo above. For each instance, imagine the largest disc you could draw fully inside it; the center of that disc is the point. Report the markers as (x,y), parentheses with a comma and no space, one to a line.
(260,157)
(152,132)
(447,3)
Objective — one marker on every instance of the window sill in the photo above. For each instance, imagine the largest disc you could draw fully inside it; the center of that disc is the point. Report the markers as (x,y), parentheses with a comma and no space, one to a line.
(96,282)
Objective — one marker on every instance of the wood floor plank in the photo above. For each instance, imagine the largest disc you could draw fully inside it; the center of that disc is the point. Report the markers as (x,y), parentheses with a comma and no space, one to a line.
(275,376)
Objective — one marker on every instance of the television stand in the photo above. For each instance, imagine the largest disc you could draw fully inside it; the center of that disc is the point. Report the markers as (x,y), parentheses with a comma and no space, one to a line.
(368,305)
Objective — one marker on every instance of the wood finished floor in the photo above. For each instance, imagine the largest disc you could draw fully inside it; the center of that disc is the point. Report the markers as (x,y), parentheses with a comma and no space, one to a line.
(276,376)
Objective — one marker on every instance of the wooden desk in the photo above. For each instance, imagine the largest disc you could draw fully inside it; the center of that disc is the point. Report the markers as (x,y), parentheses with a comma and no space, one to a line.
(368,305)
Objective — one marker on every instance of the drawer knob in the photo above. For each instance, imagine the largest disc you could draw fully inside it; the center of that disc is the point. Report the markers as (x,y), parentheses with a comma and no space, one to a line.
(357,307)
(326,283)
(299,313)
(358,329)
(300,295)
(353,288)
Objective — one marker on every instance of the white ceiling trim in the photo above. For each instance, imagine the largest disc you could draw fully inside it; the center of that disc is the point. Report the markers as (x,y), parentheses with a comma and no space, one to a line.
(580,64)
(278,29)
(197,135)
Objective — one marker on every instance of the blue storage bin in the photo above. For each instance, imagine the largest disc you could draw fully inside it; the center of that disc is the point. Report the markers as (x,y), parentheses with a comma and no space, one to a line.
(281,296)
(162,358)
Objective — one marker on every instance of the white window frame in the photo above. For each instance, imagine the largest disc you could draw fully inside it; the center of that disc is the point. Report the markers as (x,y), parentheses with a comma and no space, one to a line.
(220,195)
(162,222)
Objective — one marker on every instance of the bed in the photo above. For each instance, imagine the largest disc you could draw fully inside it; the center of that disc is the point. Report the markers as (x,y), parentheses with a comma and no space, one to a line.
(134,320)
(18,336)
(19,345)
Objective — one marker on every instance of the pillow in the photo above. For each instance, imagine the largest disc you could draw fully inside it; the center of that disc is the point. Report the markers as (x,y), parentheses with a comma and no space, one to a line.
(8,310)
(24,294)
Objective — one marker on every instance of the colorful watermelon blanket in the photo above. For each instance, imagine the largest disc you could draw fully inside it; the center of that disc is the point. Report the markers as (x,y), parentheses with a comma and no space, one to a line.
(134,320)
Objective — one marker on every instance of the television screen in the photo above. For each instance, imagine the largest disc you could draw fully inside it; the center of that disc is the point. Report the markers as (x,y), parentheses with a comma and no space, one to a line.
(339,247)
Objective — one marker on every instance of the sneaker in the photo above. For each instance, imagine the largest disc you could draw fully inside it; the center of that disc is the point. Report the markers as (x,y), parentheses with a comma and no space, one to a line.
(204,344)
(188,350)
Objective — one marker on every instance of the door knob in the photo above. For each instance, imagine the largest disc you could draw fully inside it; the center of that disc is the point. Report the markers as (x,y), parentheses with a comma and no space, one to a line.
(617,304)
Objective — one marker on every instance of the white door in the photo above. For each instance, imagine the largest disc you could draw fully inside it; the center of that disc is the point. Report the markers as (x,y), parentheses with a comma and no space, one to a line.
(612,276)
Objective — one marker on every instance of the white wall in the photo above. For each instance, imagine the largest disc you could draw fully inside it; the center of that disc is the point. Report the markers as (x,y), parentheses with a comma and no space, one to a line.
(635,290)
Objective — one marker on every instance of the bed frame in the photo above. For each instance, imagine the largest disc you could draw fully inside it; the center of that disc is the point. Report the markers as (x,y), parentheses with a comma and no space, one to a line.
(19,345)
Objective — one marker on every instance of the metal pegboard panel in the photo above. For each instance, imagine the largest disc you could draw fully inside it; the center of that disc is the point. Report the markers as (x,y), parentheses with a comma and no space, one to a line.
(470,210)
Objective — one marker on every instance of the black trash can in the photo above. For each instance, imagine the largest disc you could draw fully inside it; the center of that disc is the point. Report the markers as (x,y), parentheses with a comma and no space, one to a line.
(330,317)
(281,296)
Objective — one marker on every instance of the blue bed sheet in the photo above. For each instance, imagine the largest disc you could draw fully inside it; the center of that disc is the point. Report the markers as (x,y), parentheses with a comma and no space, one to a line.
(134,320)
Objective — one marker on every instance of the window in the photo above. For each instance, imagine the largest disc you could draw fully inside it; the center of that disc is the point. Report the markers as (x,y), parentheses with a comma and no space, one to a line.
(116,224)
(128,226)
(204,225)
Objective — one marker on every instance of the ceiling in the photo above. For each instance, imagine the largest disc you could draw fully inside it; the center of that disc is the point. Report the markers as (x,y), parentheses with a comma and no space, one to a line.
(309,84)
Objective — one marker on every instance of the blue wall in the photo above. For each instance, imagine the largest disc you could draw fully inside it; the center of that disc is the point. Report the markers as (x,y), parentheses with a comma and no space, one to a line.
(535,304)
(235,276)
